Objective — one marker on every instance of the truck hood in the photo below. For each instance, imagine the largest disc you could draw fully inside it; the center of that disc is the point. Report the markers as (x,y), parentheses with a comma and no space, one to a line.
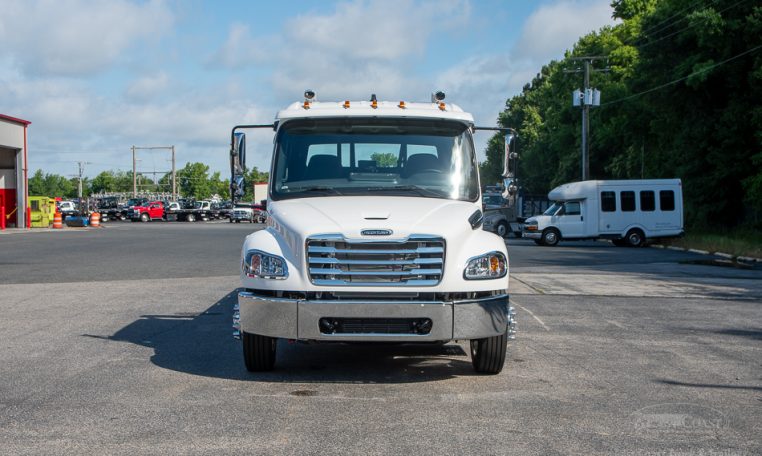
(350,215)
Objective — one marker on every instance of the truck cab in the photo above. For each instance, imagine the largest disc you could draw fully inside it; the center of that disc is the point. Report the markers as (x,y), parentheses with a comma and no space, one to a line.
(150,211)
(374,234)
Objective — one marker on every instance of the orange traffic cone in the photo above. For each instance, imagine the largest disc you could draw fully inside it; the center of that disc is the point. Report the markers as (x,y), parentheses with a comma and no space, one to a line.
(57,220)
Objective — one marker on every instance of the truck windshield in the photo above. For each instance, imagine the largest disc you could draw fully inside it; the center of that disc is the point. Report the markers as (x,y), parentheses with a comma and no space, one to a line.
(552,209)
(362,156)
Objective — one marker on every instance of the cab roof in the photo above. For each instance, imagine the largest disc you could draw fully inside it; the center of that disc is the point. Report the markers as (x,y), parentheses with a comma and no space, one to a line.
(324,109)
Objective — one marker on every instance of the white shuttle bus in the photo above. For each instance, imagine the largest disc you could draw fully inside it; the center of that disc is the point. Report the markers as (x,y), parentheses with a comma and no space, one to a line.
(625,211)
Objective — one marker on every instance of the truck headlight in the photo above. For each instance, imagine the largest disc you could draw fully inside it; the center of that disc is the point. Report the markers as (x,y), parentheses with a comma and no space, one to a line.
(263,265)
(492,265)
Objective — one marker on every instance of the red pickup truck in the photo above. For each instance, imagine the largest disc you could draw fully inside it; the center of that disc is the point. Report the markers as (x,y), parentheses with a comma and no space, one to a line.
(154,210)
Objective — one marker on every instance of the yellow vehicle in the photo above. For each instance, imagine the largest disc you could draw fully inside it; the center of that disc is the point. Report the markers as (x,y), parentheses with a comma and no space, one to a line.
(41,217)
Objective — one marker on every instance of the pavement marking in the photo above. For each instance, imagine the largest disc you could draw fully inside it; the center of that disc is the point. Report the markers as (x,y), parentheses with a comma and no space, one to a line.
(533,288)
(532,314)
(618,325)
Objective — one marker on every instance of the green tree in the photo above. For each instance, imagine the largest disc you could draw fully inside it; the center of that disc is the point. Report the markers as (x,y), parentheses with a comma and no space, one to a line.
(384,159)
(681,99)
(41,184)
(193,181)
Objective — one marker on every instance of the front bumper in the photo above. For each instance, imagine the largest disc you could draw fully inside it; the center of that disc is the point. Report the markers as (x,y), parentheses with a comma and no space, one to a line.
(299,319)
(531,234)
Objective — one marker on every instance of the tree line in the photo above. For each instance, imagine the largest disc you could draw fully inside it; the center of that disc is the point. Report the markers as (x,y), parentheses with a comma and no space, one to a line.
(193,181)
(681,97)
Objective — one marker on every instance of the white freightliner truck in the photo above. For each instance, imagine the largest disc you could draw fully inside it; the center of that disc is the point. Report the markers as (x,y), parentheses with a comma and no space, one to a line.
(374,233)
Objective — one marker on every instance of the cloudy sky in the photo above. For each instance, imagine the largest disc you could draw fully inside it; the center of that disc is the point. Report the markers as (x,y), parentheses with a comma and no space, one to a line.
(96,77)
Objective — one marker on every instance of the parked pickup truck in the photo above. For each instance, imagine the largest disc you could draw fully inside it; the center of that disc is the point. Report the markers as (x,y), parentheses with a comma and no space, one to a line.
(151,211)
(252,213)
(374,233)
(201,210)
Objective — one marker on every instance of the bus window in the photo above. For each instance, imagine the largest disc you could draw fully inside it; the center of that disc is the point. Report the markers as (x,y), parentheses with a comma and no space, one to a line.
(647,201)
(608,201)
(667,200)
(627,200)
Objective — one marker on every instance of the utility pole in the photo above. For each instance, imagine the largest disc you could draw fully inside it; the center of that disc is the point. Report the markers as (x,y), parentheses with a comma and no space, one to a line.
(586,98)
(79,175)
(174,176)
(134,171)
(134,179)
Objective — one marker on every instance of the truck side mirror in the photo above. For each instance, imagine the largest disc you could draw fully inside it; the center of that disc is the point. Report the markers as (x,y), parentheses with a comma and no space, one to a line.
(237,166)
(507,172)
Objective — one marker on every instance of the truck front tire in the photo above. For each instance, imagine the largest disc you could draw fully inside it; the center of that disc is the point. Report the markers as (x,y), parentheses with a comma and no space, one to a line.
(550,237)
(488,355)
(191,218)
(502,229)
(259,352)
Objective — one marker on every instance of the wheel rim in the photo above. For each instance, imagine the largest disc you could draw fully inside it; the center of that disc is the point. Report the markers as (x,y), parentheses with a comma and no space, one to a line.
(502,230)
(635,239)
(550,237)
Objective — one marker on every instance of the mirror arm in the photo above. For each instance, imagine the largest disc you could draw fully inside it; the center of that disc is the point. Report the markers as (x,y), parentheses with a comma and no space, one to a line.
(238,163)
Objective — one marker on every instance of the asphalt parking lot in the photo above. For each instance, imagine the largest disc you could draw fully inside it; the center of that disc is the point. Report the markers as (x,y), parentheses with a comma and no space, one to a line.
(118,341)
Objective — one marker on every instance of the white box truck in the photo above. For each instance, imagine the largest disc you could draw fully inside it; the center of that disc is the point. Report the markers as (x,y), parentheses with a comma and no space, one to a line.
(374,233)
(628,212)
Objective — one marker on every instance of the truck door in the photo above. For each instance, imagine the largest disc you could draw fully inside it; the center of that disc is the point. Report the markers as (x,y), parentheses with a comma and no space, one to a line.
(571,220)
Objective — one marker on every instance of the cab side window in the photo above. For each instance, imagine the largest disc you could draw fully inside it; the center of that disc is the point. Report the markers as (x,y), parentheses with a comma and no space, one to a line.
(571,208)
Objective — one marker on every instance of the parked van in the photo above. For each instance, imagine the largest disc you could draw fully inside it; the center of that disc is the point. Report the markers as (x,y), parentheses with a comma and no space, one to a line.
(626,211)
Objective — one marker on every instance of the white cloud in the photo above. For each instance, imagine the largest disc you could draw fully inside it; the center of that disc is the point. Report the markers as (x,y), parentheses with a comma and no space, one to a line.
(76,37)
(358,48)
(239,50)
(487,80)
(554,28)
(148,86)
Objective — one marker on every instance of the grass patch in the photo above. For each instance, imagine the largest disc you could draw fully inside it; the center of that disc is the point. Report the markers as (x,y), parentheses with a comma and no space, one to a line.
(738,242)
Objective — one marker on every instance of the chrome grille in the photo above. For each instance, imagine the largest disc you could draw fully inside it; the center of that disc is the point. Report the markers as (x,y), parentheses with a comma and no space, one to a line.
(336,261)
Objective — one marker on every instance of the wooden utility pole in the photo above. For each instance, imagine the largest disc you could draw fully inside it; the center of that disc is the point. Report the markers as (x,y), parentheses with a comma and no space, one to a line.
(174,177)
(587,100)
(134,179)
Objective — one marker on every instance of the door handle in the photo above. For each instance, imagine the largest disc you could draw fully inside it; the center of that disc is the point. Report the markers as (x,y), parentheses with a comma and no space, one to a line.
(582,218)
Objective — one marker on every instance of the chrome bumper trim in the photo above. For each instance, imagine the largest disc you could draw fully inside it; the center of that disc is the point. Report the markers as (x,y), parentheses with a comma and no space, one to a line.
(299,319)
(531,234)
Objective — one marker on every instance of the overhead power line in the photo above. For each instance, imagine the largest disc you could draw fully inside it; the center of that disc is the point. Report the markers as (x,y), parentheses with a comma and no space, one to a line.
(703,70)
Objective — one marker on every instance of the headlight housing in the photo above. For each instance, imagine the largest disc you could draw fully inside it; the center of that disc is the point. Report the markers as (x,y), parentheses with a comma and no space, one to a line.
(491,265)
(263,265)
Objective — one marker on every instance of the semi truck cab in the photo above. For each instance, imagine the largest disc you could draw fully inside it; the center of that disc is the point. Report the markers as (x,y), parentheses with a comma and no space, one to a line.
(373,235)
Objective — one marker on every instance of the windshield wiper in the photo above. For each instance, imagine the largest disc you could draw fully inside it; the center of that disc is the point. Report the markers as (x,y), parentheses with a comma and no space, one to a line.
(416,188)
(316,188)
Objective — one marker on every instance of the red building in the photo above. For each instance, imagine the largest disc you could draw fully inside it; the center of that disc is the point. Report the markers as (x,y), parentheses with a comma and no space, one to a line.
(13,169)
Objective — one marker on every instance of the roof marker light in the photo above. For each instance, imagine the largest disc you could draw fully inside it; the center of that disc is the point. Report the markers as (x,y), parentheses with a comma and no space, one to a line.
(402,105)
(374,103)
(442,106)
(346,104)
(306,104)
